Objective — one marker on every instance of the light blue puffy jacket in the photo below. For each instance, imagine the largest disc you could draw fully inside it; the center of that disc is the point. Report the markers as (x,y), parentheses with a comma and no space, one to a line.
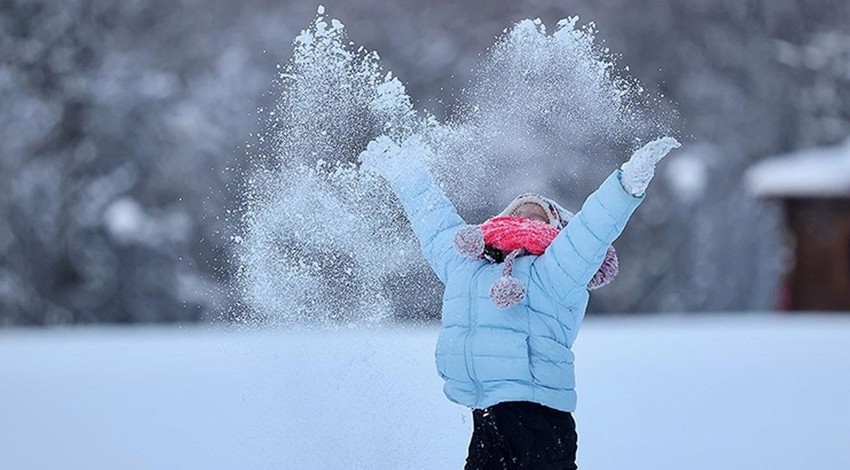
(488,355)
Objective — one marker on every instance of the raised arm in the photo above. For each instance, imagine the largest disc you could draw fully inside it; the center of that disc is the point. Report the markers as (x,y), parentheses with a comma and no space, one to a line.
(432,216)
(575,255)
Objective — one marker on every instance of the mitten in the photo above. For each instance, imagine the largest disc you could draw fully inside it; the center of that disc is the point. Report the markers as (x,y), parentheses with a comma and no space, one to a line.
(639,170)
(389,160)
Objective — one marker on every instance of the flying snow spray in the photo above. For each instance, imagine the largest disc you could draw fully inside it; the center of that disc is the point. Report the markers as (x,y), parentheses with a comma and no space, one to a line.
(321,243)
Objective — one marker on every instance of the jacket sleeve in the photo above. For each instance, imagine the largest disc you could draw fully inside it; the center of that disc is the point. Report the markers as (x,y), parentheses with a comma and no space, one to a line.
(571,261)
(432,216)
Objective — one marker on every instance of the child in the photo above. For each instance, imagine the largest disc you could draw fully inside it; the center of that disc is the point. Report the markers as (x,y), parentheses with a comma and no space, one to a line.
(516,293)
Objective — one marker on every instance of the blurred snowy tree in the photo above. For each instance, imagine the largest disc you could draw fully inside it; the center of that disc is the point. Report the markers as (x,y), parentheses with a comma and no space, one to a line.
(116,126)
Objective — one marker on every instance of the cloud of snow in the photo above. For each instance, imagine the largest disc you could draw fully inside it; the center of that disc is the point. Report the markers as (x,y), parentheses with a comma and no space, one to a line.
(321,242)
(544,110)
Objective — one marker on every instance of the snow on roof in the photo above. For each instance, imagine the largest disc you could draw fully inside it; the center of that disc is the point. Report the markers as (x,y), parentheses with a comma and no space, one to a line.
(814,172)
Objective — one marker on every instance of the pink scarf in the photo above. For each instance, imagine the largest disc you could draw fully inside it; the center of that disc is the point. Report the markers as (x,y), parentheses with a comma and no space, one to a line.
(514,237)
(513,233)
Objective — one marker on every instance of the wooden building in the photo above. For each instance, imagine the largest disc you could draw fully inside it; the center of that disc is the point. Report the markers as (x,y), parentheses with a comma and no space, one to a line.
(813,187)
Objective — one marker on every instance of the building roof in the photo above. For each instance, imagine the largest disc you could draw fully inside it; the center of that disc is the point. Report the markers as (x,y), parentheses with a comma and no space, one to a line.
(814,172)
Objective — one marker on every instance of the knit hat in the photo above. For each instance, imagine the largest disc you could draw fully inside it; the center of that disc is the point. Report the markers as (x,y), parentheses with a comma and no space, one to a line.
(507,237)
(558,216)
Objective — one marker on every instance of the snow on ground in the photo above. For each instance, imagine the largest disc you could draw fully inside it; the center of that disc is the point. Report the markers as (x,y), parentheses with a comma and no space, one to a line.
(732,392)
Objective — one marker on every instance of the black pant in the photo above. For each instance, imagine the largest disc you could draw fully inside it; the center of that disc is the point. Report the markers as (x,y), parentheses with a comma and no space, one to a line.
(522,435)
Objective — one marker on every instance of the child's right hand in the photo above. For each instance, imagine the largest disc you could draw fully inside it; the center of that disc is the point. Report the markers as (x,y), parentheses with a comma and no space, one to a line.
(377,154)
(385,158)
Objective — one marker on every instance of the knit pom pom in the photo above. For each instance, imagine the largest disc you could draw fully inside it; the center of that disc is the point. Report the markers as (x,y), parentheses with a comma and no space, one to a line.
(469,241)
(507,291)
(606,273)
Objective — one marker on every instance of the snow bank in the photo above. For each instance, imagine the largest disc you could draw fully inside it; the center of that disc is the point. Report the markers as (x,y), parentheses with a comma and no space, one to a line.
(744,392)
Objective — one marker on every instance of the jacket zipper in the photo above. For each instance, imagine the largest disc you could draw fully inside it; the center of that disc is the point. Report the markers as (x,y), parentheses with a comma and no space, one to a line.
(467,353)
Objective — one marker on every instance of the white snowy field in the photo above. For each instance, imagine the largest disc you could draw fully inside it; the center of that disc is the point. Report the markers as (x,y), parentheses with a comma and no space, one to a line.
(680,393)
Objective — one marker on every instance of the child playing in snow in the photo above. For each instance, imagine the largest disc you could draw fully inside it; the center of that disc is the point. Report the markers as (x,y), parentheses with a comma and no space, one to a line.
(516,292)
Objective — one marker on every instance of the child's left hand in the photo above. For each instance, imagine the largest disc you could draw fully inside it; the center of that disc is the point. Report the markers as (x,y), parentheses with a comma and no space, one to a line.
(639,170)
